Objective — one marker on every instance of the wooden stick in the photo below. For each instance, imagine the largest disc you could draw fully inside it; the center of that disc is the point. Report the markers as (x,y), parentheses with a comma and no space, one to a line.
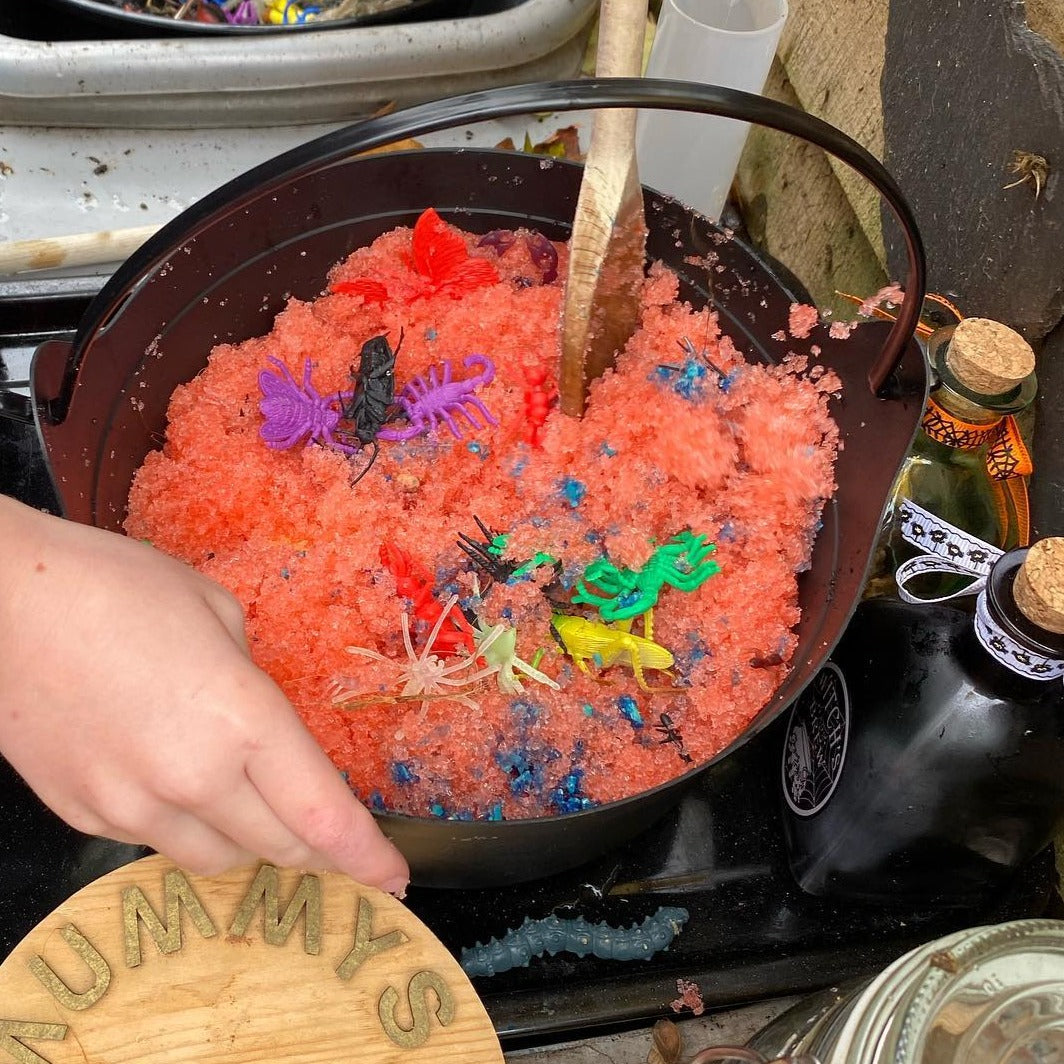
(608,244)
(78,249)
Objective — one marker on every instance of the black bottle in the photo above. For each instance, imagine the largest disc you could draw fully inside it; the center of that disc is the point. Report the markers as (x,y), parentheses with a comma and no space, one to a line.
(926,759)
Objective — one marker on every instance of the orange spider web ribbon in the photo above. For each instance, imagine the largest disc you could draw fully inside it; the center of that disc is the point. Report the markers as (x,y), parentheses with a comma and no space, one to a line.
(1008,462)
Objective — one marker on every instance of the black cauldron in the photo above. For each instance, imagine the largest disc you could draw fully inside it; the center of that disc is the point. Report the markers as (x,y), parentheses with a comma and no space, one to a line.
(223,269)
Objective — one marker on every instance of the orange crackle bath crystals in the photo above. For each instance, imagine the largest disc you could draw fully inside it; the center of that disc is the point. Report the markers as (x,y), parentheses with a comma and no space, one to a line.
(483,608)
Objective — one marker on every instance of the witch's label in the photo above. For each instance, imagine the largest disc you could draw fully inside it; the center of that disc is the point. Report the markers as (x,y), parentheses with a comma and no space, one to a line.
(814,750)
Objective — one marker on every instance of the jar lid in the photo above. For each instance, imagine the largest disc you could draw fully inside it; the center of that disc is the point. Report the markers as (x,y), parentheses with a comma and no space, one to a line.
(985,364)
(993,996)
(1039,585)
(988,357)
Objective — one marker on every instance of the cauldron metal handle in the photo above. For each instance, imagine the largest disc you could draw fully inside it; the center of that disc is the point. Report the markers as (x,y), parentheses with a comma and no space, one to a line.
(413,122)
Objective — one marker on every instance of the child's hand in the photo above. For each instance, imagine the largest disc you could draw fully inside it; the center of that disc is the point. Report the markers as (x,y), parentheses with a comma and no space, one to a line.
(131,706)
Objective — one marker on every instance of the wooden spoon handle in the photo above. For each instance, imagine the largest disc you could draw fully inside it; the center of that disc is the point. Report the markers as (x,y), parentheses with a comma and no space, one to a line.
(609,233)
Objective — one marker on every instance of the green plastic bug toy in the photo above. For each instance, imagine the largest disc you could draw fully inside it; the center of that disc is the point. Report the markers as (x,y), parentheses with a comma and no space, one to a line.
(684,562)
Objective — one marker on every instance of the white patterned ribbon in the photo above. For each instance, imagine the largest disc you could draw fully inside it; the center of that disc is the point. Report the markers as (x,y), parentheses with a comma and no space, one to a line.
(1012,654)
(949,550)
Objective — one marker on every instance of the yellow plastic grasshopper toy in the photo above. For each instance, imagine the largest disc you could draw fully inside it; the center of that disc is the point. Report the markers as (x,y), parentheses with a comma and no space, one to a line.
(585,641)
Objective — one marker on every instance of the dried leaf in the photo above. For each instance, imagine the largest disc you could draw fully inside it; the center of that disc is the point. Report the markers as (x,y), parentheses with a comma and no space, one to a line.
(563,143)
(407,144)
(507,144)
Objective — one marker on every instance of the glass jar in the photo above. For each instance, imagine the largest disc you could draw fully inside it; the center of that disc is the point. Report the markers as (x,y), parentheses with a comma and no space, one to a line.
(985,995)
(968,463)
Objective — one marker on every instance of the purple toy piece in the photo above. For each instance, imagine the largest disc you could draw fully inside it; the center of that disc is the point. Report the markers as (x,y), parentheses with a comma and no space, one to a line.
(427,402)
(499,239)
(246,14)
(544,254)
(293,413)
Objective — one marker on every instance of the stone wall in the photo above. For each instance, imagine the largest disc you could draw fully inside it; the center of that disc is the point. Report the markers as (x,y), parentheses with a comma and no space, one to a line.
(946,95)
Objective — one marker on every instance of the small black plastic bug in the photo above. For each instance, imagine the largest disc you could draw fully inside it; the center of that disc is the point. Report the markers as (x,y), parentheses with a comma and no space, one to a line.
(486,555)
(374,393)
(668,729)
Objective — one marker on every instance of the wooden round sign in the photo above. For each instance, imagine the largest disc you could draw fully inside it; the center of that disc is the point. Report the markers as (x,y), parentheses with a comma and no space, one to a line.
(150,963)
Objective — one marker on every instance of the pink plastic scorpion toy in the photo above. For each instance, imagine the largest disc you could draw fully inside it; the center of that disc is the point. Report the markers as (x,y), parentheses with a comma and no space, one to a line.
(427,402)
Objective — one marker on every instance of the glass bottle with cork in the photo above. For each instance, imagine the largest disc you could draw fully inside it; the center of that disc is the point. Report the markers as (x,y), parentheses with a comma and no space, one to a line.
(968,464)
(924,760)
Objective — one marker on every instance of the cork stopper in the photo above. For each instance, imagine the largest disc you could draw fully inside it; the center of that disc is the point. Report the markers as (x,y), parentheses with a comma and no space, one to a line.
(1039,585)
(988,357)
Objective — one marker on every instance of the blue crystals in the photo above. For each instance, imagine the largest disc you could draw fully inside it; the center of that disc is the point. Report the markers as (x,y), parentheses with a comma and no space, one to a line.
(402,772)
(515,764)
(574,491)
(430,333)
(689,383)
(479,449)
(526,710)
(376,801)
(495,812)
(567,796)
(690,376)
(437,810)
(630,711)
(570,575)
(698,650)
(607,450)
(589,709)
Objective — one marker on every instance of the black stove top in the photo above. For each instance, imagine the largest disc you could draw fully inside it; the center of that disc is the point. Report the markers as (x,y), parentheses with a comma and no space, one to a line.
(751,932)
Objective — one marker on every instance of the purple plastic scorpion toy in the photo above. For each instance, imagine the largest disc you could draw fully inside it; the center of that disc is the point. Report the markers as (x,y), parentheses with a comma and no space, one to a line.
(293,412)
(427,402)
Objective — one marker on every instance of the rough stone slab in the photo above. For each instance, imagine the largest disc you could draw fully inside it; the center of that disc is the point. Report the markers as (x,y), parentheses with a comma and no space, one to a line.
(833,54)
(964,86)
(1047,484)
(795,208)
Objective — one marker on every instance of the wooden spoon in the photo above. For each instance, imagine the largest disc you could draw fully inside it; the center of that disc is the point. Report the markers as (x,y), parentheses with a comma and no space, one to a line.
(608,244)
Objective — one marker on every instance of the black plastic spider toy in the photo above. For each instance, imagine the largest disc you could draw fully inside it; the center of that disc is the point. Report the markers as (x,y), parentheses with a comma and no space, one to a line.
(487,556)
